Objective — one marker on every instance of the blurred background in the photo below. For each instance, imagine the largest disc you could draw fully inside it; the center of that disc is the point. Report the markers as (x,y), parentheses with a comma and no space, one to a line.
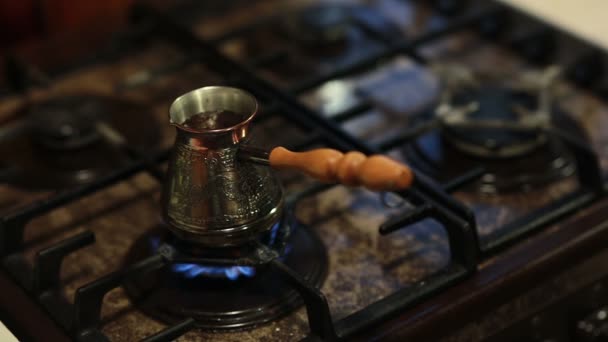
(49,33)
(26,21)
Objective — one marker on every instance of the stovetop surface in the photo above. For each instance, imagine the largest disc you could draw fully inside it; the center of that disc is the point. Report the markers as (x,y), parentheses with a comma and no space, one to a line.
(363,265)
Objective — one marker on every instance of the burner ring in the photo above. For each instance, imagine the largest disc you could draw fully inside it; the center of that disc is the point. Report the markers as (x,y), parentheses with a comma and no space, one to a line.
(434,154)
(60,144)
(66,123)
(494,122)
(491,148)
(223,304)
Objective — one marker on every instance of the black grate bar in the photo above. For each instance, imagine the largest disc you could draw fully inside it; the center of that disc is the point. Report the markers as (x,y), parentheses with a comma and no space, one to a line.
(409,217)
(151,166)
(393,304)
(245,29)
(150,75)
(12,224)
(588,169)
(374,33)
(590,188)
(464,179)
(463,250)
(464,245)
(408,135)
(521,228)
(429,187)
(172,332)
(267,112)
(67,196)
(402,47)
(11,235)
(353,112)
(311,140)
(268,58)
(463,242)
(319,316)
(537,47)
(462,233)
(310,338)
(317,309)
(89,298)
(48,261)
(114,138)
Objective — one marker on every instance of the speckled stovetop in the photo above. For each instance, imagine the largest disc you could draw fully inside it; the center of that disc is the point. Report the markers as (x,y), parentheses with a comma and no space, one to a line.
(363,266)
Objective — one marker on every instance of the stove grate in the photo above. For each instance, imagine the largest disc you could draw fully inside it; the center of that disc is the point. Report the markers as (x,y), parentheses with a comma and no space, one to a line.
(428,199)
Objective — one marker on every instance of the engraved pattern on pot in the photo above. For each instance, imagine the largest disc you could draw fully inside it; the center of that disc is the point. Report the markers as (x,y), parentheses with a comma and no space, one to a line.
(210,196)
(246,190)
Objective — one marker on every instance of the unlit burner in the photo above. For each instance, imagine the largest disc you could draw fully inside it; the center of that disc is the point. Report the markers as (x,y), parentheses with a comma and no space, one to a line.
(492,126)
(501,127)
(63,141)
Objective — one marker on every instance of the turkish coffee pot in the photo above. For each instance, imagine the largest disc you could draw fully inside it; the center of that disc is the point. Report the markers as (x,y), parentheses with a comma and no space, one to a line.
(221,192)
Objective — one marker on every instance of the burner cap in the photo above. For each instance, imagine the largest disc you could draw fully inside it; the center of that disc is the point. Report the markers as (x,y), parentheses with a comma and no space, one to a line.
(436,154)
(498,124)
(66,123)
(493,128)
(439,158)
(57,144)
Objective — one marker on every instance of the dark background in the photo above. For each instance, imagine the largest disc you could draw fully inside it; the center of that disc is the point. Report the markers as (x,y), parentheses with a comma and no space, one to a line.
(26,21)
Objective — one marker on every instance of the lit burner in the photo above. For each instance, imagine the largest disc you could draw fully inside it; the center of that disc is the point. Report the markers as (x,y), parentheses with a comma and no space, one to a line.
(495,120)
(224,297)
(232,272)
(193,270)
(273,234)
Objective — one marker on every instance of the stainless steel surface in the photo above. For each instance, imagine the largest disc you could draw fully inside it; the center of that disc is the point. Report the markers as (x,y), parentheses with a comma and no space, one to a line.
(210,196)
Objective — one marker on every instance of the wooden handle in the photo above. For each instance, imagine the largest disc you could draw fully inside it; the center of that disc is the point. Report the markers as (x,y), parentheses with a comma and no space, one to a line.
(378,173)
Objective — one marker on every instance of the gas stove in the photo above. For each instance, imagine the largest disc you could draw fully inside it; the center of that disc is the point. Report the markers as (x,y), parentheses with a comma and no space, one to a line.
(501,116)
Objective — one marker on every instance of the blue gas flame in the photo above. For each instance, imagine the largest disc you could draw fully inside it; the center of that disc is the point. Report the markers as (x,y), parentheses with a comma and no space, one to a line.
(190,270)
(273,233)
(231,272)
